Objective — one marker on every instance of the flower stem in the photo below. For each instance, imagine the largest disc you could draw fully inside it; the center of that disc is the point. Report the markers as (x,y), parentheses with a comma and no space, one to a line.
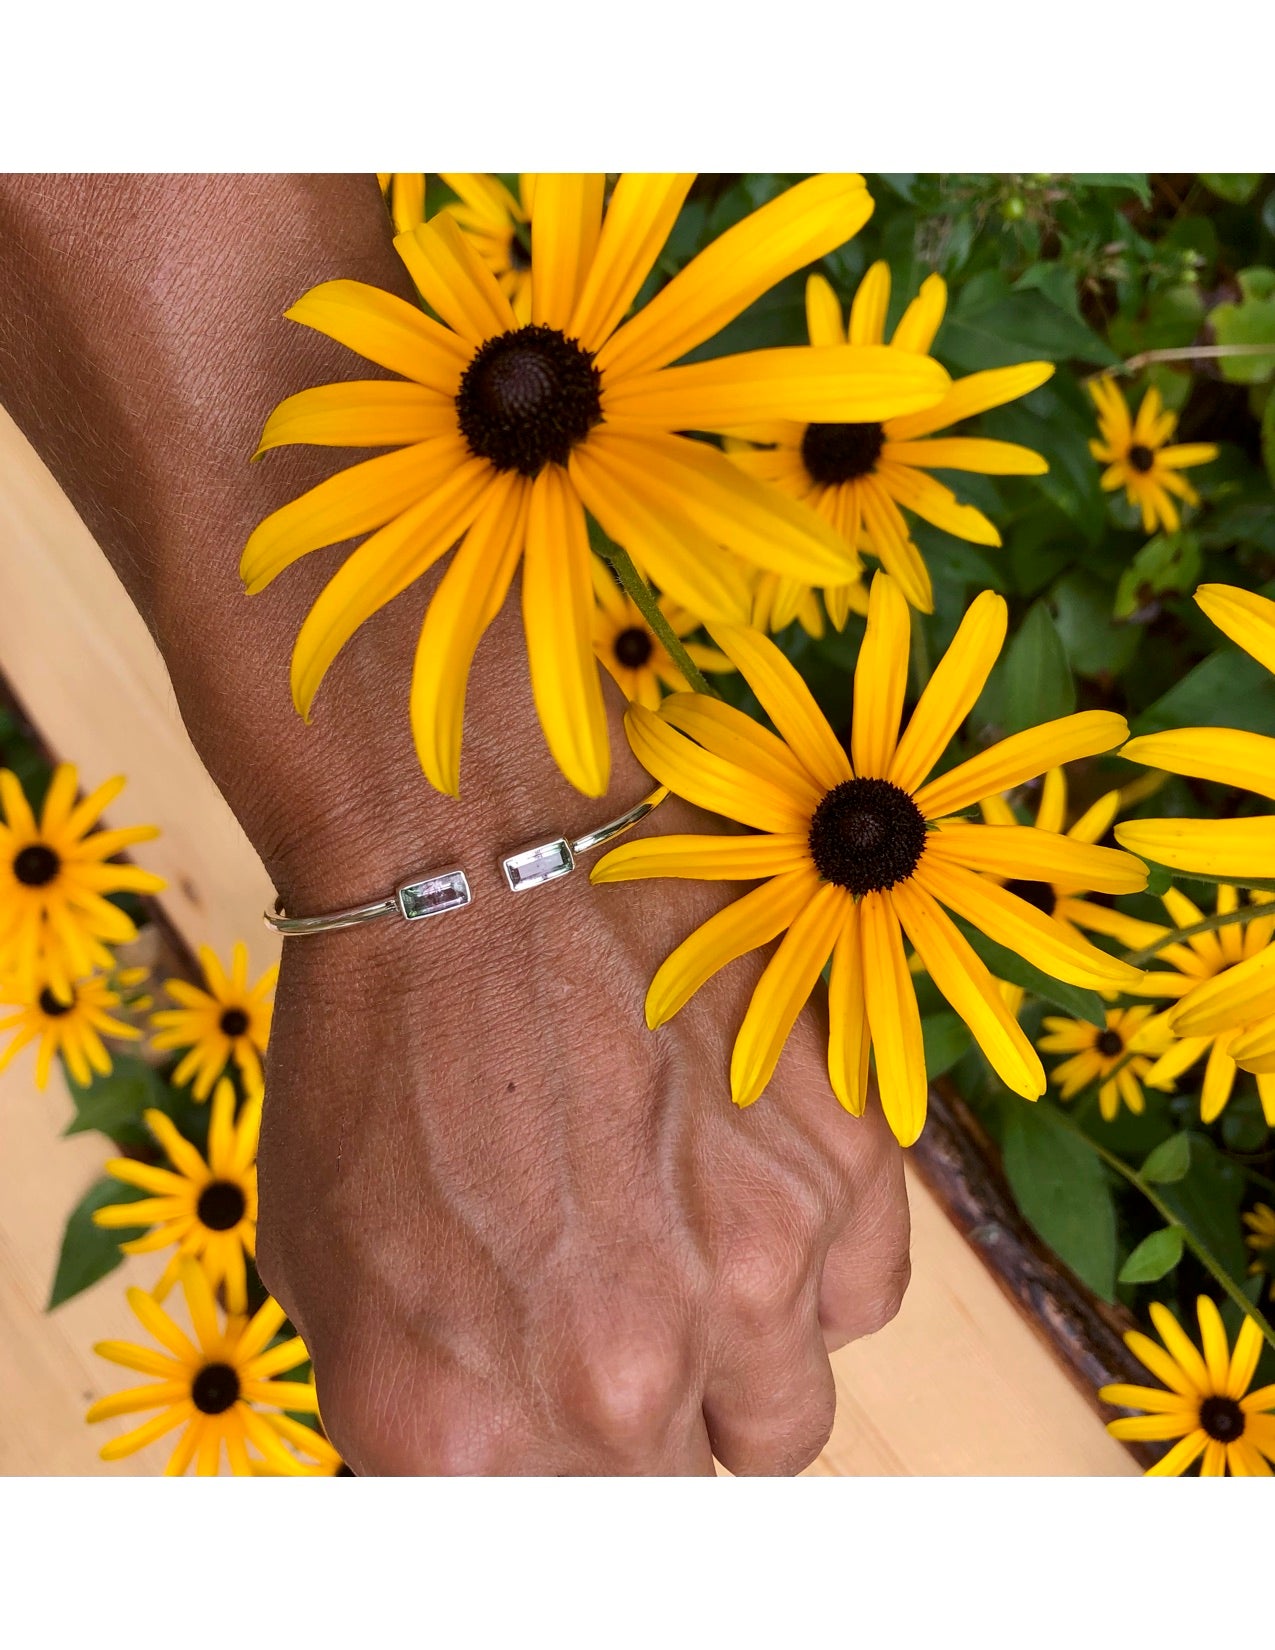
(1195,352)
(643,598)
(1219,919)
(1195,1244)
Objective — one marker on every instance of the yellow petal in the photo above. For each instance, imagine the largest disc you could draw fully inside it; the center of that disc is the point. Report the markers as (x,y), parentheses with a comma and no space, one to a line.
(923,317)
(880,679)
(454,281)
(382,568)
(1217,1356)
(385,329)
(935,503)
(781,993)
(353,501)
(969,396)
(639,219)
(963,452)
(785,235)
(849,1039)
(1247,618)
(466,601)
(1248,1349)
(891,542)
(707,780)
(1232,848)
(1179,1347)
(557,607)
(956,683)
(894,1019)
(969,987)
(787,701)
(375,413)
(1012,922)
(686,564)
(707,858)
(842,383)
(871,300)
(1228,999)
(1027,853)
(564,238)
(728,732)
(1227,755)
(823,313)
(752,920)
(1021,756)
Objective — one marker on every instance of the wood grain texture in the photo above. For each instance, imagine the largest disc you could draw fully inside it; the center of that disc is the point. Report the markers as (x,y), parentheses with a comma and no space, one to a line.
(960,1383)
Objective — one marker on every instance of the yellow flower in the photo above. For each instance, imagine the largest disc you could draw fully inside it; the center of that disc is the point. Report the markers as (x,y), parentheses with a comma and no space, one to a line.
(71,1025)
(778,601)
(632,653)
(516,431)
(861,475)
(208,1210)
(324,1462)
(1232,848)
(859,850)
(1220,997)
(1207,1406)
(54,876)
(1260,1221)
(1137,459)
(1115,1056)
(498,224)
(229,1019)
(211,1386)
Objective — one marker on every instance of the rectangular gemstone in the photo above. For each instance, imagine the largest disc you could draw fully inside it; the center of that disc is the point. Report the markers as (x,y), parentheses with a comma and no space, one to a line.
(544,862)
(444,891)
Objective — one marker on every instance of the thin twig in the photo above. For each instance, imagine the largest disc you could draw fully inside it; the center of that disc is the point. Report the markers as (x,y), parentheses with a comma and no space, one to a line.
(1207,925)
(1194,352)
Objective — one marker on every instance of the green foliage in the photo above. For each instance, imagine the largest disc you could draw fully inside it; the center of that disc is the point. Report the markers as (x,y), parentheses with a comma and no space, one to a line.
(90,1252)
(1169,1162)
(113,1105)
(947,1038)
(1154,1257)
(1063,1192)
(1038,680)
(1250,322)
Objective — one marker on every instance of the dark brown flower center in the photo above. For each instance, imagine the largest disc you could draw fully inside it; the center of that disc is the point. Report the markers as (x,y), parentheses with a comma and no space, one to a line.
(1039,894)
(35,866)
(841,452)
(234,1022)
(221,1205)
(866,835)
(1222,1419)
(527,398)
(214,1389)
(1109,1043)
(1142,458)
(633,647)
(54,1006)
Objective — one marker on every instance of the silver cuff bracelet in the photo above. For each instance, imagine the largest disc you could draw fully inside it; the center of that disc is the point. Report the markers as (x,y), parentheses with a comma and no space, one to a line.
(433,892)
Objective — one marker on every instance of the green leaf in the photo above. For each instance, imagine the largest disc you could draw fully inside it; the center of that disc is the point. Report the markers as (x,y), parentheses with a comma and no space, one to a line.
(1135,182)
(1008,965)
(1095,644)
(1227,690)
(1169,1161)
(1251,321)
(1207,1201)
(114,1104)
(1268,436)
(1236,187)
(990,326)
(89,1252)
(1063,1193)
(947,1038)
(1170,562)
(1038,680)
(1154,1257)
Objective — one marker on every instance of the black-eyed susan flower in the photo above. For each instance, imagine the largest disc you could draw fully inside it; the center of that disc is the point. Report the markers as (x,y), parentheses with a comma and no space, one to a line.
(514,431)
(858,850)
(1219,998)
(1118,1056)
(861,476)
(231,1020)
(1260,1238)
(55,874)
(778,601)
(1233,848)
(1137,457)
(71,1025)
(213,1386)
(630,651)
(205,1209)
(1205,1402)
(314,1457)
(498,224)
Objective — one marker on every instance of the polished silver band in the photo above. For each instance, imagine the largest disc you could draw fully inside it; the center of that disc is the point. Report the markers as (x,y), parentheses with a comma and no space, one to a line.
(434,892)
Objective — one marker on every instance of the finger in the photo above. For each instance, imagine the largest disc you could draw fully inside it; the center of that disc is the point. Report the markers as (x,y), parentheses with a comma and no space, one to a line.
(770,1402)
(867,1265)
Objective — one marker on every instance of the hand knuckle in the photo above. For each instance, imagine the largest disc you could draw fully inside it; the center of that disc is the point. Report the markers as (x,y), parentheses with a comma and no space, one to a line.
(629,1394)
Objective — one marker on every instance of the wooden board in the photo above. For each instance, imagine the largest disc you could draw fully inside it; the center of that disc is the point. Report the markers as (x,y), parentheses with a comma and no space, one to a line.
(959,1383)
